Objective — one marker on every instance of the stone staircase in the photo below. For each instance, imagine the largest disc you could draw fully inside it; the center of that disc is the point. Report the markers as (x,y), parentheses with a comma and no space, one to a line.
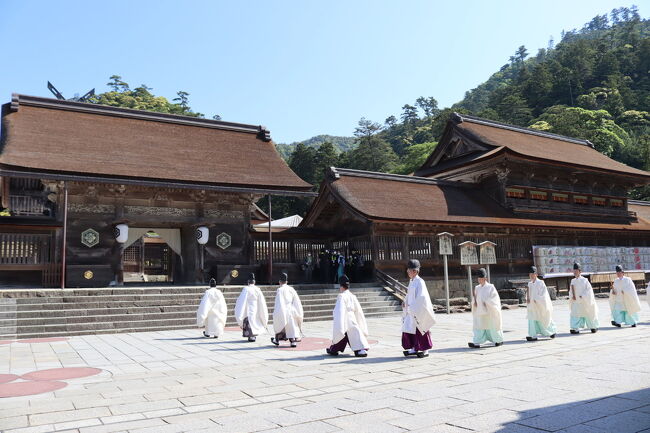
(35,313)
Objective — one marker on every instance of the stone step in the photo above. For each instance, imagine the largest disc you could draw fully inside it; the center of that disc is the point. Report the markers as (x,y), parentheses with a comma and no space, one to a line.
(270,290)
(43,333)
(86,316)
(87,310)
(175,296)
(40,330)
(90,311)
(188,303)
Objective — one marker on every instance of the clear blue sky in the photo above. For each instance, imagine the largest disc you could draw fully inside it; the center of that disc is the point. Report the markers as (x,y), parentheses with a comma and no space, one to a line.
(301,68)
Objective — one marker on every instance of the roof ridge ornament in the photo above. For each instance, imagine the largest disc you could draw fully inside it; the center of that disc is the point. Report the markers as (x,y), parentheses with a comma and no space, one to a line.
(264,133)
(334,173)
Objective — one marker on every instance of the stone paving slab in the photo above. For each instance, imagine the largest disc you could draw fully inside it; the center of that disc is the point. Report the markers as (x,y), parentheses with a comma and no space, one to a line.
(176,381)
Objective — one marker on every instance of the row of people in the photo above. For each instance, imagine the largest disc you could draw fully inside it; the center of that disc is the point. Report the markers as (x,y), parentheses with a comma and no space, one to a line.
(350,328)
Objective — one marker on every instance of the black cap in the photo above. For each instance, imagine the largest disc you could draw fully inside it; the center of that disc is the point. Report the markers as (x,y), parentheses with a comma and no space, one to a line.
(413,264)
(619,268)
(213,282)
(251,277)
(532,270)
(344,281)
(284,277)
(576,266)
(481,273)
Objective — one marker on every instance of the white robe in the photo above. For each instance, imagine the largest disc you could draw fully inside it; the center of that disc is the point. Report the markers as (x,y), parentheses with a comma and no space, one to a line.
(212,312)
(585,303)
(287,313)
(540,307)
(626,297)
(252,305)
(486,314)
(349,319)
(418,310)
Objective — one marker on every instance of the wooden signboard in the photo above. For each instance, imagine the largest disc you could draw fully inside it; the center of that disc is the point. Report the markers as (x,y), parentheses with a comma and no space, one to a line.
(488,253)
(468,254)
(444,244)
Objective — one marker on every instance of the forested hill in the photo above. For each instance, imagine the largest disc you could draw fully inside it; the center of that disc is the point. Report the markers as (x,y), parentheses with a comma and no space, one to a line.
(342,144)
(593,84)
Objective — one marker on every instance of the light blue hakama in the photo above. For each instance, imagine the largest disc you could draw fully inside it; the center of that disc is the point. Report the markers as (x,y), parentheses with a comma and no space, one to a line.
(483,335)
(622,317)
(583,322)
(535,328)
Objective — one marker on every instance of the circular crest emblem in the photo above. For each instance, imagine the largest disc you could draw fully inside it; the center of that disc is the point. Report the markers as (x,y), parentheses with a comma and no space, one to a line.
(89,275)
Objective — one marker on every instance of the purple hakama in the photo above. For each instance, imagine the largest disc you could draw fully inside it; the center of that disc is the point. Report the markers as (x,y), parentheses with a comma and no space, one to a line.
(418,341)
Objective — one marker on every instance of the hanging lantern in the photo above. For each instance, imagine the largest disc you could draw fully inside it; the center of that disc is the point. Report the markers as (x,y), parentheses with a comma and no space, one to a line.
(121,233)
(202,234)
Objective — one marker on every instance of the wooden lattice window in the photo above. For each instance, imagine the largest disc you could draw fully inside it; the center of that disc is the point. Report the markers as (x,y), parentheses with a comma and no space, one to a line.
(616,202)
(515,193)
(539,195)
(599,201)
(562,198)
(580,199)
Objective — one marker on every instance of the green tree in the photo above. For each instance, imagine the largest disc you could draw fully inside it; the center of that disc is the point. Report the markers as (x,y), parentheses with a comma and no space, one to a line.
(140,98)
(414,157)
(597,126)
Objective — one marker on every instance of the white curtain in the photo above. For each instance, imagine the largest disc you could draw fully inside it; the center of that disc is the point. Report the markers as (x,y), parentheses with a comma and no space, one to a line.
(171,236)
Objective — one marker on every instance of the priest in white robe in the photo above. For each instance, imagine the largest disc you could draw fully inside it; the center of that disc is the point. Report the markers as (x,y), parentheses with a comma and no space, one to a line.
(418,315)
(539,308)
(212,312)
(486,313)
(251,311)
(349,323)
(624,300)
(584,310)
(287,314)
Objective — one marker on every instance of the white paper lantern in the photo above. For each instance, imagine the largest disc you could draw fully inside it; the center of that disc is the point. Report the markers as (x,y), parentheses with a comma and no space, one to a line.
(202,234)
(121,233)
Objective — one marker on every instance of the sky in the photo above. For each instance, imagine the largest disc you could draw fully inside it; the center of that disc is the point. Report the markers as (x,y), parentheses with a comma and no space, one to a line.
(301,68)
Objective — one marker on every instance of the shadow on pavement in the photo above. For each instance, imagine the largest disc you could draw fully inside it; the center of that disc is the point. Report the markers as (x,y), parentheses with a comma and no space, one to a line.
(624,412)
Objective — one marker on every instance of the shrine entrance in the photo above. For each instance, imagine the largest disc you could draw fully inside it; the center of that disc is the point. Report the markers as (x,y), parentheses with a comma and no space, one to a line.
(151,257)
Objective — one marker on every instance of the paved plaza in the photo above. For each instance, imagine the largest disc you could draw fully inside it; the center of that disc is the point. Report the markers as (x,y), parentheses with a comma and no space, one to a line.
(174,381)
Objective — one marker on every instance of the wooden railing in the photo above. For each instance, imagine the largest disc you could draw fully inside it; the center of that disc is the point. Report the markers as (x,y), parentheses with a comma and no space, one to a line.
(22,249)
(399,290)
(26,205)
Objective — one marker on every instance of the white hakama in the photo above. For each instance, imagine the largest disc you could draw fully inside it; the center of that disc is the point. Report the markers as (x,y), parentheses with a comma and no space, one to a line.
(212,312)
(251,311)
(287,314)
(584,310)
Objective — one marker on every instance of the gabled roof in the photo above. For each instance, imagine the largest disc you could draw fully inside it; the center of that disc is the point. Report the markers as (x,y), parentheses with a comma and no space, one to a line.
(79,141)
(488,138)
(410,199)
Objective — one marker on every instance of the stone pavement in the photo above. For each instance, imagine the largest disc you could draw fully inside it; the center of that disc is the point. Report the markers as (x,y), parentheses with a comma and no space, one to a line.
(173,381)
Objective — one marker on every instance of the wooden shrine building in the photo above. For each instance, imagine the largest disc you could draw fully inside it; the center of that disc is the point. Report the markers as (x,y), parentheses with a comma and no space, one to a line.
(110,195)
(490,181)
